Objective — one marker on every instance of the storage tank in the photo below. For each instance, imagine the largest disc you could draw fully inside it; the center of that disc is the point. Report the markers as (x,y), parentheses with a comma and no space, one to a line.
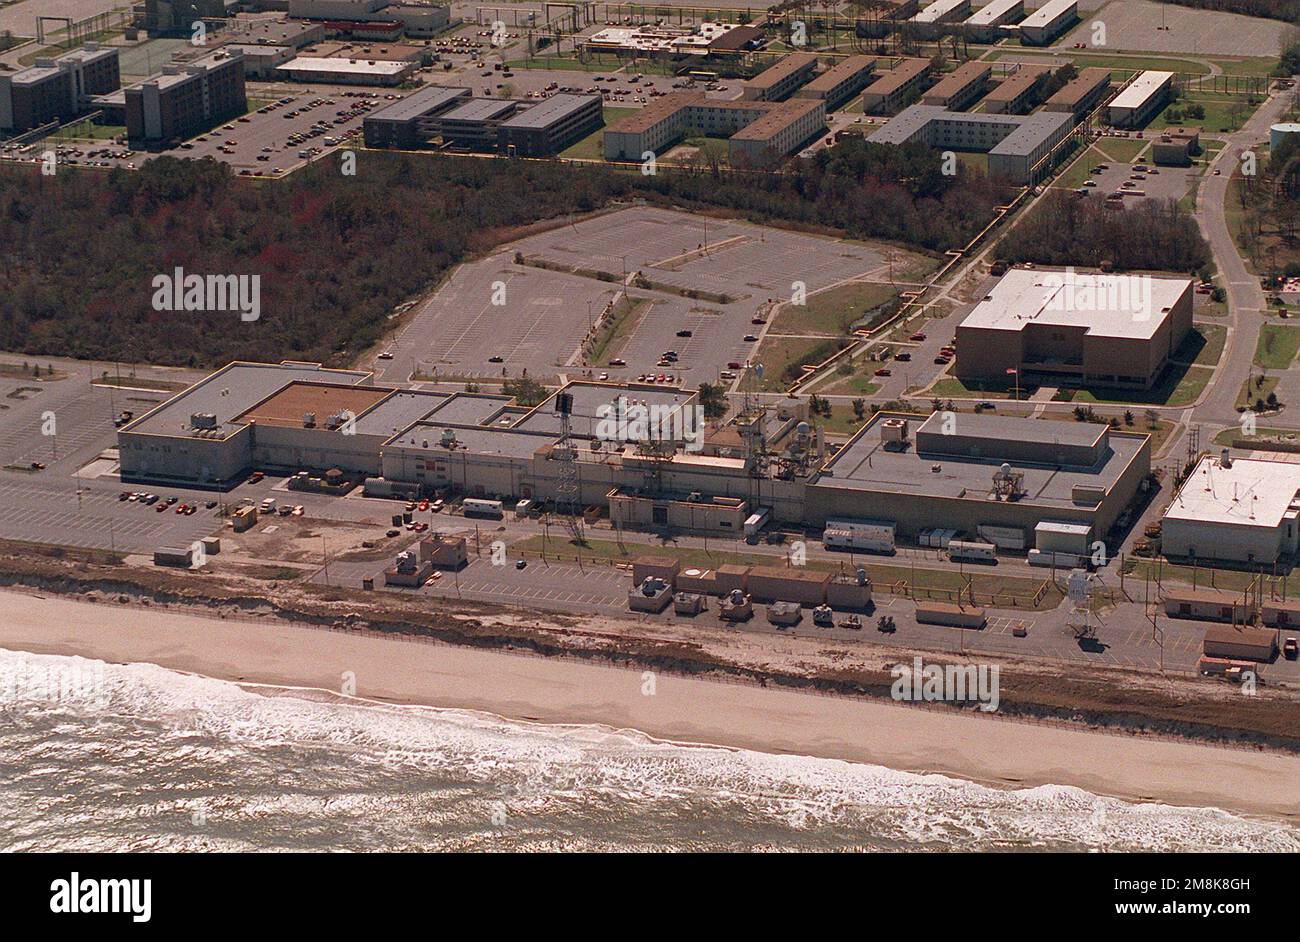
(1280,132)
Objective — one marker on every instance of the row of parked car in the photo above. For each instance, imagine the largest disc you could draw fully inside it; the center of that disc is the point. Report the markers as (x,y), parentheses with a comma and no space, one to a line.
(160,504)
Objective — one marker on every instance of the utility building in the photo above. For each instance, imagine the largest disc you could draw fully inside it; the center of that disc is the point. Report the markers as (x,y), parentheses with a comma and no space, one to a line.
(1243,510)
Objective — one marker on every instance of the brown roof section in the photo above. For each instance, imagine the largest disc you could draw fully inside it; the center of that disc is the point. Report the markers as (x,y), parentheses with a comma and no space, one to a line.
(1019,81)
(898,76)
(1212,596)
(655,112)
(831,77)
(1227,634)
(781,70)
(778,117)
(735,38)
(287,407)
(1079,87)
(957,81)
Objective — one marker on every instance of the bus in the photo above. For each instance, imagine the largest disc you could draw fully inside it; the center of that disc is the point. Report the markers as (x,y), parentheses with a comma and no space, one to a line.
(473,507)
(699,75)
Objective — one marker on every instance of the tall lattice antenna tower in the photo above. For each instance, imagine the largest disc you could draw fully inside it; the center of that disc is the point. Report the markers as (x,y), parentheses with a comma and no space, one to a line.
(568,492)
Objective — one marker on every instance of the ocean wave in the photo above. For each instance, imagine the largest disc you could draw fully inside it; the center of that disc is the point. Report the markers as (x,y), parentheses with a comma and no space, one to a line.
(112,757)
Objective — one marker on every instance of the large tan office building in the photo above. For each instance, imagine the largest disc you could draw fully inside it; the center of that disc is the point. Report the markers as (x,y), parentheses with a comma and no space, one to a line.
(1063,327)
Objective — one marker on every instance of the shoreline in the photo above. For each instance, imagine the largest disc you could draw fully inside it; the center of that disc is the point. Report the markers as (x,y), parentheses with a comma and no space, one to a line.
(1002,753)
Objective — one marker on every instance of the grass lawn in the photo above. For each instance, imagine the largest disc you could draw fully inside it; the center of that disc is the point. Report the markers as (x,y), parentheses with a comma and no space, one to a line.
(1263,436)
(1121,66)
(1203,346)
(939,580)
(627,315)
(1253,390)
(843,421)
(829,313)
(1081,169)
(592,147)
(1255,65)
(1277,346)
(1122,149)
(781,356)
(1180,386)
(950,387)
(1159,432)
(1222,113)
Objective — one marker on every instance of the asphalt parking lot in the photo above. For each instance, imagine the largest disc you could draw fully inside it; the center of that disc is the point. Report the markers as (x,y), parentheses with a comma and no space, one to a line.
(70,499)
(545,314)
(1157,183)
(1140,25)
(258,143)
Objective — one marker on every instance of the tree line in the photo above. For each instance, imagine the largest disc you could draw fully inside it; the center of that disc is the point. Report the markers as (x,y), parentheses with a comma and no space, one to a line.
(1065,229)
(335,254)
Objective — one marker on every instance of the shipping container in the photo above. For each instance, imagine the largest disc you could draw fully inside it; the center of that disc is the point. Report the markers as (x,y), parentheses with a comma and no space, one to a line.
(1011,538)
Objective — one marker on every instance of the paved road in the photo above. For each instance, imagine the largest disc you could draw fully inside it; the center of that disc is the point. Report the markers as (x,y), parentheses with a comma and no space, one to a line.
(1246,301)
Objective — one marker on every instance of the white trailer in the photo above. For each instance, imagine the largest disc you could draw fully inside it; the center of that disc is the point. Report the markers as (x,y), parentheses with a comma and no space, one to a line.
(868,536)
(755,522)
(475,507)
(1039,557)
(972,551)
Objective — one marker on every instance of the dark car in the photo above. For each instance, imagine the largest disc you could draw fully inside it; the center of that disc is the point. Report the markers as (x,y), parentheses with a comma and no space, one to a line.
(685,333)
(521,564)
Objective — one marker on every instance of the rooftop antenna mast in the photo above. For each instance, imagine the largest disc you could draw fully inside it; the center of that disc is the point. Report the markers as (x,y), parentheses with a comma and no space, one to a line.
(568,494)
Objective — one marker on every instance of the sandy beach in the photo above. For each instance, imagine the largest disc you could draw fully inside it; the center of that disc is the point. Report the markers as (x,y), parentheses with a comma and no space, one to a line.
(988,750)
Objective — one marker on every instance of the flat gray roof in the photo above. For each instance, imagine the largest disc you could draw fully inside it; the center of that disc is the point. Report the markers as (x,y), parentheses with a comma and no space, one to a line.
(866,465)
(1028,130)
(399,411)
(480,109)
(549,111)
(418,104)
(1130,306)
(232,391)
(478,441)
(1033,130)
(1014,428)
(588,400)
(468,409)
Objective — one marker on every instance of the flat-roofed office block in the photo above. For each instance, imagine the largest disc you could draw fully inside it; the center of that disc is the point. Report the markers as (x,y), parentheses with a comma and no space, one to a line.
(1063,326)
